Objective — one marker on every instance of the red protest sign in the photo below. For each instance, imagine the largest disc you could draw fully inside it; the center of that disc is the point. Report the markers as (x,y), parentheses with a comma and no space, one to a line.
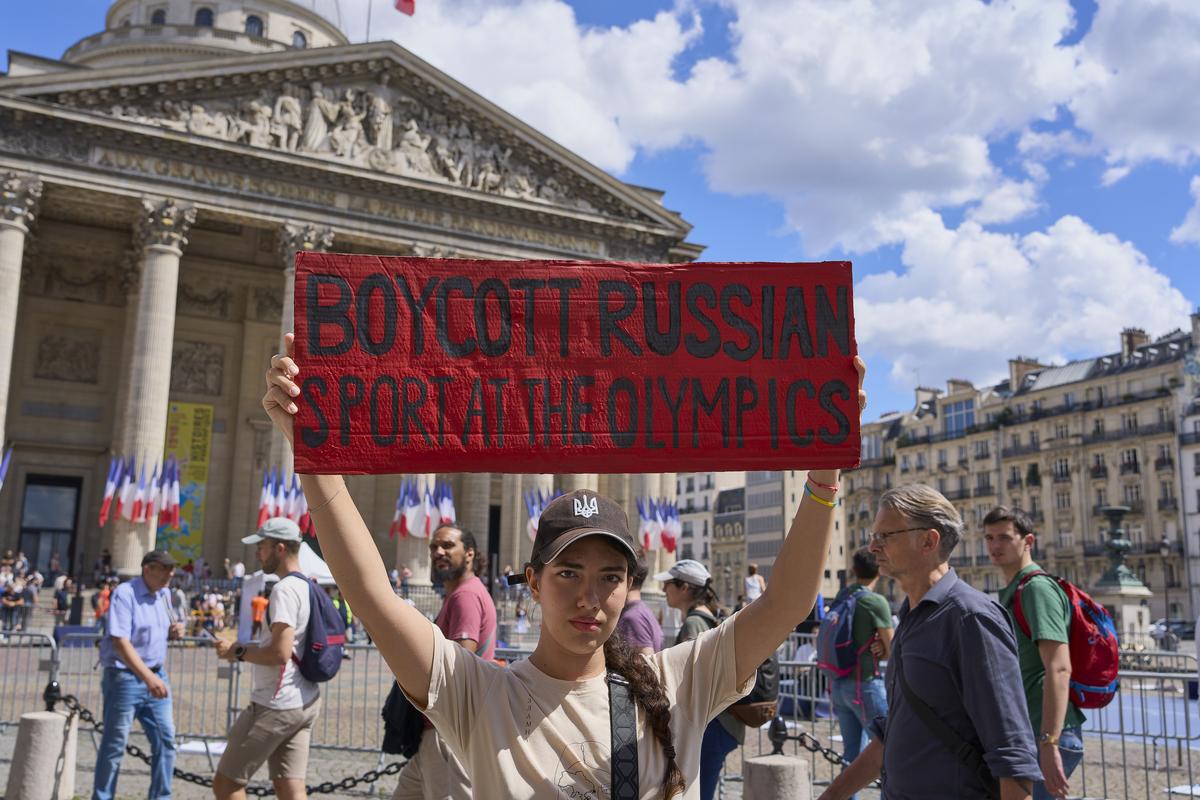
(440,365)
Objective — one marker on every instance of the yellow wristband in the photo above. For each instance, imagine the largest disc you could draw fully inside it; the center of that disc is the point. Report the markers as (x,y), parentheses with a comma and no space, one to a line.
(821,500)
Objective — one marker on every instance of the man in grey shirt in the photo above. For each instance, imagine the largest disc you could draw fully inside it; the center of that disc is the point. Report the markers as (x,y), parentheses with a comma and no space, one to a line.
(957,653)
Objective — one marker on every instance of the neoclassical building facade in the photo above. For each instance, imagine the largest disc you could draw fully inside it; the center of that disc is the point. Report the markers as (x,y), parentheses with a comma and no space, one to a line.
(155,186)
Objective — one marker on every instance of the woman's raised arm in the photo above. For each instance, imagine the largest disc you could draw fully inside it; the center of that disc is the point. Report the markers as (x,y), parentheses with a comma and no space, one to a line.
(403,635)
(796,577)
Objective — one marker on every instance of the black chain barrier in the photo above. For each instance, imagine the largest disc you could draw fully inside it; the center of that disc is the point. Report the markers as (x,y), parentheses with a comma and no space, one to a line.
(53,695)
(778,734)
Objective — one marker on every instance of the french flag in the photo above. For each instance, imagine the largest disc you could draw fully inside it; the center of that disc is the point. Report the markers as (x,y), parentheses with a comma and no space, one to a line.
(411,525)
(110,488)
(264,501)
(154,495)
(406,6)
(398,514)
(431,515)
(293,501)
(175,516)
(279,508)
(137,514)
(119,493)
(164,493)
(303,518)
(445,503)
(126,492)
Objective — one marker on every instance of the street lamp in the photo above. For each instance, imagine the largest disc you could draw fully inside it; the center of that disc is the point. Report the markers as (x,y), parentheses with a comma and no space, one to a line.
(1164,549)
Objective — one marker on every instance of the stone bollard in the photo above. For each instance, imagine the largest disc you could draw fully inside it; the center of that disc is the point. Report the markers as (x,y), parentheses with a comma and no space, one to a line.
(43,765)
(776,778)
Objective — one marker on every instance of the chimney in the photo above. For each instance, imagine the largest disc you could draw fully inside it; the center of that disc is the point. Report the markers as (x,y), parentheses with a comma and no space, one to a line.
(925,394)
(957,385)
(1132,339)
(1018,368)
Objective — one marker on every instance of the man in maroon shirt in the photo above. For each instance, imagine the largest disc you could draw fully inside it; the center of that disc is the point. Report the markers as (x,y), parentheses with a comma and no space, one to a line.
(468,617)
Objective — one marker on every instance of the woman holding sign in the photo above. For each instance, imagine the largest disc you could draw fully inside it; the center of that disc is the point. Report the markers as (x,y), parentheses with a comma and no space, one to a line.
(583,716)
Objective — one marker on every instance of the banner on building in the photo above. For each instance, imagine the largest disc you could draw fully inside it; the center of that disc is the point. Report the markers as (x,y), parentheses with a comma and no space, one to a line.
(444,365)
(189,440)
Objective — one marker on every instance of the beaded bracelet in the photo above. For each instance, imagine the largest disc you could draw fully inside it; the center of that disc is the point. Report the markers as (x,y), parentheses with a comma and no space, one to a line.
(827,503)
(826,486)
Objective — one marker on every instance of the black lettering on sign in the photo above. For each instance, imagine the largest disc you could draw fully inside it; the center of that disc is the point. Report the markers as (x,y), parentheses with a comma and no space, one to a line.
(487,345)
(441,382)
(832,323)
(552,409)
(794,388)
(831,390)
(337,315)
(498,385)
(623,437)
(664,344)
(580,408)
(377,282)
(475,408)
(411,417)
(610,317)
(673,403)
(531,387)
(795,323)
(313,389)
(697,347)
(350,394)
(416,310)
(738,322)
(564,286)
(747,400)
(702,403)
(393,406)
(651,442)
(527,287)
(462,286)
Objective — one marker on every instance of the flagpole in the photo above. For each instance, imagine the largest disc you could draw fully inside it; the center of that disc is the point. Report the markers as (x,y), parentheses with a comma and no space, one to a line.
(369,4)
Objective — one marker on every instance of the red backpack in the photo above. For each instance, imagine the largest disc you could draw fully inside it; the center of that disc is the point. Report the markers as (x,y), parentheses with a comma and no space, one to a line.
(1092,641)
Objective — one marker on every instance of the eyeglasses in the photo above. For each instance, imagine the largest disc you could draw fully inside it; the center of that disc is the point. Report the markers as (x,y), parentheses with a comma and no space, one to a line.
(881,538)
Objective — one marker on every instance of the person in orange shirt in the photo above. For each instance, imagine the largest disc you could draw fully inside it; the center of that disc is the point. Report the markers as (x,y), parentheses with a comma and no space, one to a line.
(258,610)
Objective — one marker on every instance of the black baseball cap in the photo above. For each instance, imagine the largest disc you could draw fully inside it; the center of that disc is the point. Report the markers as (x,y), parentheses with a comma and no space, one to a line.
(572,516)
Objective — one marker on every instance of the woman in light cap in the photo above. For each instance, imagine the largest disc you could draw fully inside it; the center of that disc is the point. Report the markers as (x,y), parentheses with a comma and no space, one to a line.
(545,727)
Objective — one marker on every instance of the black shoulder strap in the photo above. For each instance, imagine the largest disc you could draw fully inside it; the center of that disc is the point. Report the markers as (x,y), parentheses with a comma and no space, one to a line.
(623,721)
(964,751)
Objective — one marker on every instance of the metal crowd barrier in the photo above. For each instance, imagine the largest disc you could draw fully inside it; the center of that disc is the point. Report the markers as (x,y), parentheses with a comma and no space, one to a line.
(25,663)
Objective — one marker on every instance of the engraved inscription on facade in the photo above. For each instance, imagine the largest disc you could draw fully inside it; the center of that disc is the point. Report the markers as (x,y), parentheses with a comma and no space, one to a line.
(69,354)
(197,368)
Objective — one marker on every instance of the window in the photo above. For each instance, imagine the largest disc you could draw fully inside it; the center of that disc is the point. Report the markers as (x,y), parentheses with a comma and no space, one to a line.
(299,40)
(1164,451)
(1196,463)
(1129,422)
(1034,439)
(1060,431)
(1062,500)
(1062,468)
(1163,416)
(1066,539)
(159,17)
(1129,456)
(204,18)
(920,461)
(941,458)
(1166,490)
(1132,493)
(1014,474)
(904,464)
(958,416)
(1101,497)
(1069,399)
(691,484)
(962,453)
(1098,460)
(981,449)
(1016,440)
(254,26)
(1035,505)
(1098,426)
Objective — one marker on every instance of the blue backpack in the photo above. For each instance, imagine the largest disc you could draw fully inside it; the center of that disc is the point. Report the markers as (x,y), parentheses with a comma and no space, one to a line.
(325,637)
(836,654)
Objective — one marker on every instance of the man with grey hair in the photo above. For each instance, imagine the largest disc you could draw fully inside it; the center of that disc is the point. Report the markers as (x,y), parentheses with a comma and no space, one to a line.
(957,707)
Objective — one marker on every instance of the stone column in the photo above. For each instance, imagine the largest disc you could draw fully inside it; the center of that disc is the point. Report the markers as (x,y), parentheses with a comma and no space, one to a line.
(293,238)
(19,196)
(570,483)
(515,544)
(159,238)
(473,504)
(413,551)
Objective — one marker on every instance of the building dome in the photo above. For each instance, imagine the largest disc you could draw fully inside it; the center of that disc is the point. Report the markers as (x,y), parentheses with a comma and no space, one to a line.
(160,31)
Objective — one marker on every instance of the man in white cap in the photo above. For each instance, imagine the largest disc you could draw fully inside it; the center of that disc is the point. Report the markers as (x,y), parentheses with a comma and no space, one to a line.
(277,725)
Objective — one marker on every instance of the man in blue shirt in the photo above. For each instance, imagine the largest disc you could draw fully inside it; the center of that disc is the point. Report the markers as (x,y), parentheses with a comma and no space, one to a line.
(133,652)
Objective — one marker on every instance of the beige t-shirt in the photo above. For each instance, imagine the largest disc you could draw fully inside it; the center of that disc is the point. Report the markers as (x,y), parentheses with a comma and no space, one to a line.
(524,734)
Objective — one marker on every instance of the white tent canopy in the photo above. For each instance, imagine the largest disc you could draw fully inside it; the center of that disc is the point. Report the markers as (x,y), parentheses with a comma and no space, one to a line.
(311,565)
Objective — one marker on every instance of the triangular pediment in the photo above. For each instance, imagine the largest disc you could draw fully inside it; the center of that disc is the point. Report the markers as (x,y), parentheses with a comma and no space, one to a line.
(373,106)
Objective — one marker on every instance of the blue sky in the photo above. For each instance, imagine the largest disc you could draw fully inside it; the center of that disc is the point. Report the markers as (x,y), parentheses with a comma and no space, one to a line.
(1012,177)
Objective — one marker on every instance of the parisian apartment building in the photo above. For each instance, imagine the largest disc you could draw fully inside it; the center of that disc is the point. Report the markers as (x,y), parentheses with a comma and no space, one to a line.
(1061,442)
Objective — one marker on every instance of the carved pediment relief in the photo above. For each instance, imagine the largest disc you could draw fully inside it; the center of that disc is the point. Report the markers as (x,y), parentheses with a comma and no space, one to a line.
(373,115)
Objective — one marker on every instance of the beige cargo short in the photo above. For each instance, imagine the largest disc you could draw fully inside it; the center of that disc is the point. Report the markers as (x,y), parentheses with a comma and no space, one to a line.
(279,737)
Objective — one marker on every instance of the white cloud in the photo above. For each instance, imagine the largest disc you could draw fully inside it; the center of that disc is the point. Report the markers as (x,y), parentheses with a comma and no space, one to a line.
(1188,231)
(1144,107)
(969,299)
(1009,201)
(849,114)
(1114,174)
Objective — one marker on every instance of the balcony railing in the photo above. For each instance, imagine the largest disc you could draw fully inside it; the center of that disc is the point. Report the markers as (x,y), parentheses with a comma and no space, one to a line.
(961,561)
(985,491)
(1143,430)
(1020,450)
(958,494)
(1099,471)
(1095,549)
(1015,483)
(1037,516)
(980,455)
(1164,463)
(1168,504)
(1190,438)
(1060,477)
(1131,468)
